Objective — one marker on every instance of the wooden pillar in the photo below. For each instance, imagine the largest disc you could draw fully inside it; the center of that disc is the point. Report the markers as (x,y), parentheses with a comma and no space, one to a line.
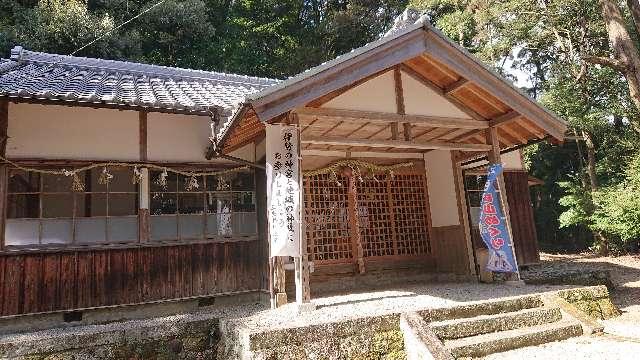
(277,282)
(4,168)
(463,212)
(143,209)
(354,224)
(494,157)
(302,271)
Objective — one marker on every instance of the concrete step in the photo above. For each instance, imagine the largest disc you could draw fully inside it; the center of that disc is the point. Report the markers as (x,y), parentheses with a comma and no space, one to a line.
(484,324)
(483,308)
(485,344)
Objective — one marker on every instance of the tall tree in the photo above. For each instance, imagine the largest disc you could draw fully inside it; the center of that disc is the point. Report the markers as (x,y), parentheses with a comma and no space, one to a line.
(625,57)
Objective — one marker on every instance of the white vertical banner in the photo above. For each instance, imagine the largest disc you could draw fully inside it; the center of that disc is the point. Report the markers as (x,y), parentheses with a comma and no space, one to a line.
(283,190)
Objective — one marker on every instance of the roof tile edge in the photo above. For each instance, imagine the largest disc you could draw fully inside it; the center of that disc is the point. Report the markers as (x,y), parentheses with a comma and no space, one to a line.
(19,54)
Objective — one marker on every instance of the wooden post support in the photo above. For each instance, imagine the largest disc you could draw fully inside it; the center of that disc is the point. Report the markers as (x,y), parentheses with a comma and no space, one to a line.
(4,168)
(144,219)
(458,177)
(495,158)
(302,271)
(278,291)
(354,224)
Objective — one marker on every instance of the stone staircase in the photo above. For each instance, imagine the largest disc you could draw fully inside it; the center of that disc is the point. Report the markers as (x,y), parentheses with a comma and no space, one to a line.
(478,330)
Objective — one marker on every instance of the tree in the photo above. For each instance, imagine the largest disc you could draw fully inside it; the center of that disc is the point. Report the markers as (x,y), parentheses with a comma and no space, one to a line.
(624,55)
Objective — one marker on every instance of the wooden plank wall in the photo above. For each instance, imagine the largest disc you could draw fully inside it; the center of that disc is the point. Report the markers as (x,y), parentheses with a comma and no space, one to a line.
(450,252)
(522,222)
(42,282)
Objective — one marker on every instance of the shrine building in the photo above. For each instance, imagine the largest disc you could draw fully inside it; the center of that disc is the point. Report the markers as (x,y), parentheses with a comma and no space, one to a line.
(125,183)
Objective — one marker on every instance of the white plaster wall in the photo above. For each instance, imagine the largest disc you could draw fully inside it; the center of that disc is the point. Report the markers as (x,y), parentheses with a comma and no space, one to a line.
(377,94)
(441,186)
(261,149)
(179,138)
(62,132)
(512,160)
(421,100)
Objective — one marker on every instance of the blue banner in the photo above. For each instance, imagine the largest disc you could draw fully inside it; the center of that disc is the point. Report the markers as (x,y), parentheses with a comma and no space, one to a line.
(493,228)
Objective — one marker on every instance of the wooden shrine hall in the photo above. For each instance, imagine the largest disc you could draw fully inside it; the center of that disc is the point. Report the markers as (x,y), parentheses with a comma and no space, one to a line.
(128,184)
(387,133)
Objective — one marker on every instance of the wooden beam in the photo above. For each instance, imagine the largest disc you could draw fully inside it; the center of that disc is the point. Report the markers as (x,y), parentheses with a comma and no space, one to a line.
(458,177)
(407,131)
(514,134)
(363,154)
(504,118)
(433,86)
(142,119)
(531,128)
(456,86)
(341,74)
(443,51)
(397,79)
(394,131)
(398,144)
(310,114)
(443,69)
(4,168)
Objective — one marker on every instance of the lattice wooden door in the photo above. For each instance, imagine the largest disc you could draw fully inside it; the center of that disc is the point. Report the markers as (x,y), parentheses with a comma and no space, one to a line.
(327,223)
(392,216)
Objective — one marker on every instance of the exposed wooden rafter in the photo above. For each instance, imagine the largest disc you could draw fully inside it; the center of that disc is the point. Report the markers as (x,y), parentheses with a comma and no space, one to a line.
(504,118)
(398,144)
(456,86)
(310,114)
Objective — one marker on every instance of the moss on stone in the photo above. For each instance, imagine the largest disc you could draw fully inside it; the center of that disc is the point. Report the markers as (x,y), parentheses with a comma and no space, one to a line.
(388,345)
(593,301)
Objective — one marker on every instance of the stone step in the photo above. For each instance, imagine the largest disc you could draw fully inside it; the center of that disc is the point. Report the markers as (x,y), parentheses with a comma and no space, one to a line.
(484,324)
(483,308)
(485,344)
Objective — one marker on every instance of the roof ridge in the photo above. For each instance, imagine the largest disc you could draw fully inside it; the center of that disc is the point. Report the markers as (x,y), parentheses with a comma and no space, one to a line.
(21,55)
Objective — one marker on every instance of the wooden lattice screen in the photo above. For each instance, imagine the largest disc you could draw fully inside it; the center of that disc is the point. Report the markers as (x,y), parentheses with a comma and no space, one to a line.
(377,232)
(391,216)
(327,223)
(410,213)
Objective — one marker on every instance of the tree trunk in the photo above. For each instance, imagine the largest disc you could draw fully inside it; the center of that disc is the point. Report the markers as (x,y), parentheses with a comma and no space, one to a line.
(634,8)
(627,57)
(591,160)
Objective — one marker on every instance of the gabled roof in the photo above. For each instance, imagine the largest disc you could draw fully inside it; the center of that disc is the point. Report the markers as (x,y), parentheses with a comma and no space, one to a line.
(425,52)
(47,77)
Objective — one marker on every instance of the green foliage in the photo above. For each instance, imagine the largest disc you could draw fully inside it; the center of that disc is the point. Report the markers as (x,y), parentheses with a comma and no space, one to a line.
(617,210)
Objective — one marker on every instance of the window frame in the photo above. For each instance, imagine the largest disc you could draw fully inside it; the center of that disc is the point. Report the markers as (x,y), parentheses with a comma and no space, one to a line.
(74,242)
(204,191)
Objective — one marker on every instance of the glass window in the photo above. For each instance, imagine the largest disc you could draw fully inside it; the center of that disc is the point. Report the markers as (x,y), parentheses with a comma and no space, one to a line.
(219,206)
(43,209)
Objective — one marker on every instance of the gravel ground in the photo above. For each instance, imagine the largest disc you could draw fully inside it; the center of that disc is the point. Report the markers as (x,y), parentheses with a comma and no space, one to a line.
(592,348)
(622,334)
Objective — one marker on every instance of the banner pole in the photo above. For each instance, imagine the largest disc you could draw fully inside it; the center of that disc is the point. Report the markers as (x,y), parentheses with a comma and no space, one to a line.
(494,157)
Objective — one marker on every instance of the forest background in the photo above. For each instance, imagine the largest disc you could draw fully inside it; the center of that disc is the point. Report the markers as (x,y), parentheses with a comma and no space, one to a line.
(579,58)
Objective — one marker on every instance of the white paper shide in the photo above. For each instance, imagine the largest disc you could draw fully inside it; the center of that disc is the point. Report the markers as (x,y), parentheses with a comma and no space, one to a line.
(283,190)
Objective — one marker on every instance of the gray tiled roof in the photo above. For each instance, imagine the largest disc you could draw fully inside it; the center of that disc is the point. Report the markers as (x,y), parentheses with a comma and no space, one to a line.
(42,76)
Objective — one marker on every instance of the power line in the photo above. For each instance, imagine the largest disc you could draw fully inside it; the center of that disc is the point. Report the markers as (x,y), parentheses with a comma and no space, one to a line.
(48,67)
(116,28)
